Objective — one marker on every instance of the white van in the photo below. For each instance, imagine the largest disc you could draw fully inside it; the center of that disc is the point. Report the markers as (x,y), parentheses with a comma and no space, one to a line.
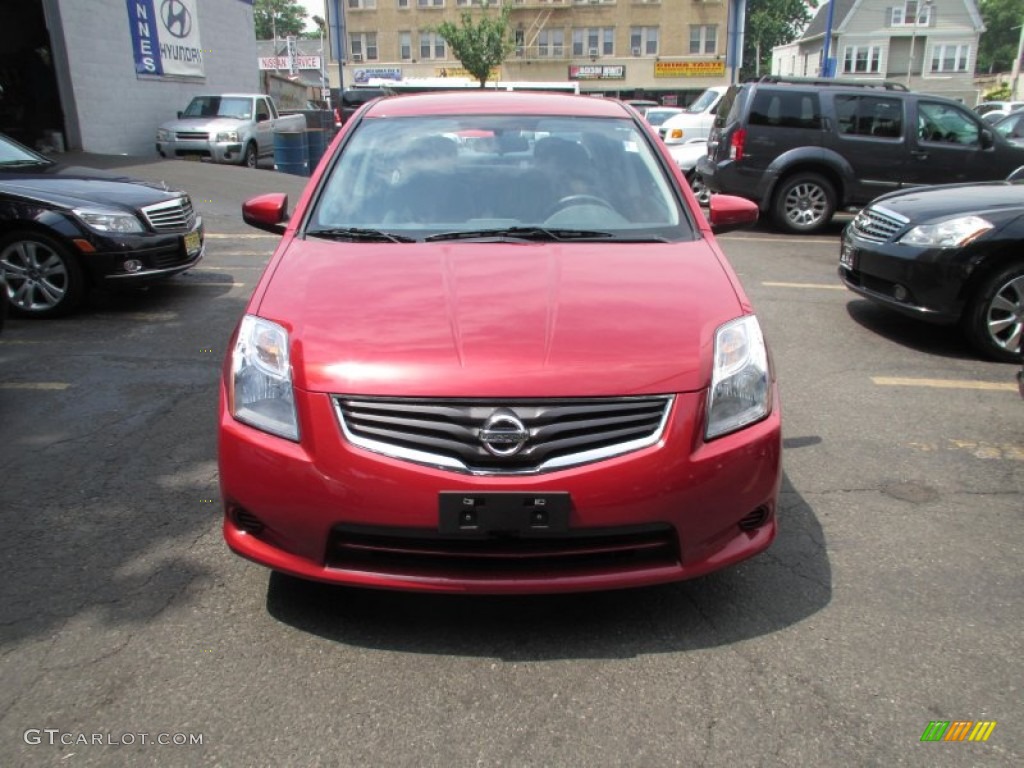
(695,120)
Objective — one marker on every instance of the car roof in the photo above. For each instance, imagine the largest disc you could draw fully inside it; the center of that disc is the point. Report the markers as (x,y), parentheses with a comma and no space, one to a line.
(496,102)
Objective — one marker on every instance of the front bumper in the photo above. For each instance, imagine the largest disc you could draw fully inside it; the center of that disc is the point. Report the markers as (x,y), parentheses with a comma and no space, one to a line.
(160,256)
(217,152)
(328,511)
(924,283)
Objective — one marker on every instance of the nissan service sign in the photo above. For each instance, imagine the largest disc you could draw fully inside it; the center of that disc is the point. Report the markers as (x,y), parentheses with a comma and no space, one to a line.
(165,38)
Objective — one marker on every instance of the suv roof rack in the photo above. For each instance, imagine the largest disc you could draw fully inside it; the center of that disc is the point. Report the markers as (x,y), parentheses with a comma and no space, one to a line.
(886,85)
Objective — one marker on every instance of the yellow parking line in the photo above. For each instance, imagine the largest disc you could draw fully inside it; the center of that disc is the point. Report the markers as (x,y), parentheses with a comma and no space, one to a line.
(33,385)
(820,286)
(895,381)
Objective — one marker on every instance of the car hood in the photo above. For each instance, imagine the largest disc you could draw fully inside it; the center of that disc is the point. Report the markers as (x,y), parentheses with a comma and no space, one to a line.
(70,187)
(954,199)
(203,124)
(500,320)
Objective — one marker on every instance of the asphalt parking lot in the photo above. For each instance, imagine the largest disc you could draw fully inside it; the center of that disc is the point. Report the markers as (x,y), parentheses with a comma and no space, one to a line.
(891,599)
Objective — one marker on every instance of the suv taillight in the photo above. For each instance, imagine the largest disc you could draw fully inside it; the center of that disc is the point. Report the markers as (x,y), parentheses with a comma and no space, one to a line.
(739,136)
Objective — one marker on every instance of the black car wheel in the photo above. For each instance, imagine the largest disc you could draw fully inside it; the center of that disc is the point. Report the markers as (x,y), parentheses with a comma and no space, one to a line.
(804,203)
(700,189)
(249,157)
(994,321)
(43,279)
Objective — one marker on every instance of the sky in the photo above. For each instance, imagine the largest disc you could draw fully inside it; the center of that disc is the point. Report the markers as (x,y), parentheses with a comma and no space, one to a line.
(313,8)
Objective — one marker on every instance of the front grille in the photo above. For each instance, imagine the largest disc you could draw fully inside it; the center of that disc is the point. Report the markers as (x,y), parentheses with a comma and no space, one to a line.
(192,136)
(878,224)
(172,216)
(424,552)
(555,434)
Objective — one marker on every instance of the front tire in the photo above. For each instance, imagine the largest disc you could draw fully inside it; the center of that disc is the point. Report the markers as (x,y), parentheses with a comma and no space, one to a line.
(804,203)
(250,158)
(43,278)
(700,189)
(994,321)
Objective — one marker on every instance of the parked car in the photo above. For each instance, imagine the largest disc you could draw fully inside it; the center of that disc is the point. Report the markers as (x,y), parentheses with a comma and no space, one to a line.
(993,110)
(695,121)
(353,98)
(226,128)
(64,230)
(951,254)
(547,379)
(803,149)
(1011,127)
(5,302)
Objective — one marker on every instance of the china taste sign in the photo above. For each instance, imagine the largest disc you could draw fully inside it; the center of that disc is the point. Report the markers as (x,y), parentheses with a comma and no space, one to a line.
(597,72)
(708,68)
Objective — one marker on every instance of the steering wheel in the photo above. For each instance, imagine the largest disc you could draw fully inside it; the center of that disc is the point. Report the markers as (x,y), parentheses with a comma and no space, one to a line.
(571,200)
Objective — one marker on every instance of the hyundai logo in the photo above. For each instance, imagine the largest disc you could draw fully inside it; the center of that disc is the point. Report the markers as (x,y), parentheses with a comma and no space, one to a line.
(176,18)
(503,434)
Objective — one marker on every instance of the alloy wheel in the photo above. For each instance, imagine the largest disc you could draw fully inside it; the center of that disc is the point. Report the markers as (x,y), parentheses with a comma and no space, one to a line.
(1004,315)
(805,204)
(36,275)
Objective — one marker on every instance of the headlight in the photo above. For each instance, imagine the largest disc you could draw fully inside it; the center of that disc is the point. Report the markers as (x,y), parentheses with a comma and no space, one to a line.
(227,136)
(740,392)
(162,135)
(951,233)
(109,221)
(261,378)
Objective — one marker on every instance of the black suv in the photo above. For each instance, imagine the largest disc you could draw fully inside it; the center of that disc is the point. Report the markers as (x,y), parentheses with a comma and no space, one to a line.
(802,149)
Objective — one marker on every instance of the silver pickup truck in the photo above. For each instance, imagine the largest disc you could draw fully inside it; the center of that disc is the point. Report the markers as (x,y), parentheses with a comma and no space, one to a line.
(226,128)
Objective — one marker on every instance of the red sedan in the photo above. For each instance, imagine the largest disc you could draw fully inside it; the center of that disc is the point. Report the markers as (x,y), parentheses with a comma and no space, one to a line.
(523,366)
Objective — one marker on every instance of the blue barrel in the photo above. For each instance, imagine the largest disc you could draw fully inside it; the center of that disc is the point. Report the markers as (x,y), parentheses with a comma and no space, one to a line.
(291,154)
(316,141)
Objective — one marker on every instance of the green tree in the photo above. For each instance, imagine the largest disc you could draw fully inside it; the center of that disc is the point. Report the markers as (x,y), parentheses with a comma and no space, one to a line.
(480,46)
(771,23)
(278,18)
(998,45)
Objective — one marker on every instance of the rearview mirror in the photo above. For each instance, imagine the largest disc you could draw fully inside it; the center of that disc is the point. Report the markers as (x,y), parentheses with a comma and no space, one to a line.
(267,212)
(728,212)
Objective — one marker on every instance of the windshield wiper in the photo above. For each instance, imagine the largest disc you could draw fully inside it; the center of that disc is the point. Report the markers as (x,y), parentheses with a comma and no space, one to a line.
(359,233)
(524,233)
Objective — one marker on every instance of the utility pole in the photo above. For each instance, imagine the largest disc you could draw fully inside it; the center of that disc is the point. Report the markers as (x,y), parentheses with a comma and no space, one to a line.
(913,37)
(1015,92)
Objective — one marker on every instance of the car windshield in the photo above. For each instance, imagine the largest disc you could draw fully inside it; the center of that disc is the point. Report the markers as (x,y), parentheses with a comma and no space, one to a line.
(494,176)
(13,154)
(239,108)
(703,101)
(659,116)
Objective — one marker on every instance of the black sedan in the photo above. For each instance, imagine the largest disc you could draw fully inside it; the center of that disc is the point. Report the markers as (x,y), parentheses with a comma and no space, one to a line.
(64,230)
(949,254)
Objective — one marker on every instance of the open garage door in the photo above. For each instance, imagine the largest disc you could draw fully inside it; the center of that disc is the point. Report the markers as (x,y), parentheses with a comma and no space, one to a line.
(30,109)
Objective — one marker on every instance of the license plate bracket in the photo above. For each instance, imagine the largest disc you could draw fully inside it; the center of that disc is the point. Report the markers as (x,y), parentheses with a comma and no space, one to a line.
(193,243)
(503,512)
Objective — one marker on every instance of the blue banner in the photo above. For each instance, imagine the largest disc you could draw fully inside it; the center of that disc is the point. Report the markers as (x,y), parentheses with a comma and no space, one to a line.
(145,40)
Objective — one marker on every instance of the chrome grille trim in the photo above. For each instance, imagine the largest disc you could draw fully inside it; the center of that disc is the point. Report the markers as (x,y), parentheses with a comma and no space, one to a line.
(444,433)
(878,224)
(171,216)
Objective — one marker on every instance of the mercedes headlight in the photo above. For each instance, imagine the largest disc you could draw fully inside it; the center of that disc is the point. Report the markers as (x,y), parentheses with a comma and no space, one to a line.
(261,378)
(951,233)
(740,384)
(107,221)
(227,136)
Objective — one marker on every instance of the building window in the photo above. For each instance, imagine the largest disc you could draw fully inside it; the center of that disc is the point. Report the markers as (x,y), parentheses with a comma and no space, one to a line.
(551,42)
(405,45)
(643,41)
(703,38)
(903,14)
(431,46)
(462,3)
(363,46)
(430,3)
(950,58)
(593,41)
(357,4)
(862,59)
(403,3)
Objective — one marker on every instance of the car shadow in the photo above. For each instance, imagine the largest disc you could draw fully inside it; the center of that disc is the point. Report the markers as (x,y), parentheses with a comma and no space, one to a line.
(776,589)
(918,335)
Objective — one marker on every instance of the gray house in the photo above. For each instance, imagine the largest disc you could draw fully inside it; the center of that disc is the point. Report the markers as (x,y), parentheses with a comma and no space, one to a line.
(927,45)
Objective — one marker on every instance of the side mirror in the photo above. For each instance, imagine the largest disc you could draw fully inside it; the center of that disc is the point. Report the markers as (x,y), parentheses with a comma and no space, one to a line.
(180,114)
(267,212)
(987,138)
(728,212)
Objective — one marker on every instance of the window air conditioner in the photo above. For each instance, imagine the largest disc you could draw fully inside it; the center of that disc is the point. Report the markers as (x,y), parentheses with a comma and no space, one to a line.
(593,53)
(636,51)
(357,57)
